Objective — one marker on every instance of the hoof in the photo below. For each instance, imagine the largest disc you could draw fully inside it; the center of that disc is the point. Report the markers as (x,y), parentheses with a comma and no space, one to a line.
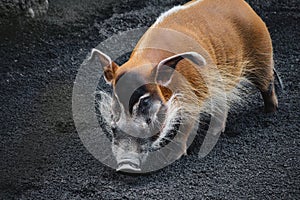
(271,108)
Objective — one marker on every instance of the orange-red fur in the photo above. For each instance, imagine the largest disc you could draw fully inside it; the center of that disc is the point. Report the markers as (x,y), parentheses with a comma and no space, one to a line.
(231,35)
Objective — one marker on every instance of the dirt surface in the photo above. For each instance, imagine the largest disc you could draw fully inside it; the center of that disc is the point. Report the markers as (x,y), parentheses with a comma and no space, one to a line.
(42,157)
(21,8)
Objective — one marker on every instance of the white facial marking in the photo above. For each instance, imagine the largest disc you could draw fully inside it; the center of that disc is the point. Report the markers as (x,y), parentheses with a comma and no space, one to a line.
(135,107)
(144,125)
(171,116)
(144,96)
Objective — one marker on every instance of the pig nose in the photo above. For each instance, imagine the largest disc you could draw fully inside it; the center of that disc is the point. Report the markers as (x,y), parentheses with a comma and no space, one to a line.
(129,168)
(129,163)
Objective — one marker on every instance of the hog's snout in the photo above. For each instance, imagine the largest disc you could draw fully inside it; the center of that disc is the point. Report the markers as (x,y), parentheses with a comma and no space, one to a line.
(129,163)
(127,154)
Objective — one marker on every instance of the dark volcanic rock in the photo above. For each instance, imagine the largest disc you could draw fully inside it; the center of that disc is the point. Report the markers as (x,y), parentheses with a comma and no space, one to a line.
(29,8)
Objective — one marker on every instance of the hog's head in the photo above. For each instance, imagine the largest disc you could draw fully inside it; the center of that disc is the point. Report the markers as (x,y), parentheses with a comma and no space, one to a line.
(145,112)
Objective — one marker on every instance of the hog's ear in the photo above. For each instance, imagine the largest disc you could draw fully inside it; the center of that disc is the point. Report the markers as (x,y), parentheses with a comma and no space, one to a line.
(165,69)
(109,67)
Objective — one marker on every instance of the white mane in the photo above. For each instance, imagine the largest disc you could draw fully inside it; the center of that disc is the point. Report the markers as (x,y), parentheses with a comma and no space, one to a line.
(174,10)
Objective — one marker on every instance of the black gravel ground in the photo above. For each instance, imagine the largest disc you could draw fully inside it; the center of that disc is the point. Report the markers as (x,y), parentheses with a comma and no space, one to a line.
(42,157)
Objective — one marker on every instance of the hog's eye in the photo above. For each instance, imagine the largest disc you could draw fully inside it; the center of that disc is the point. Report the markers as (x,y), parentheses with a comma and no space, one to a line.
(144,105)
(145,102)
